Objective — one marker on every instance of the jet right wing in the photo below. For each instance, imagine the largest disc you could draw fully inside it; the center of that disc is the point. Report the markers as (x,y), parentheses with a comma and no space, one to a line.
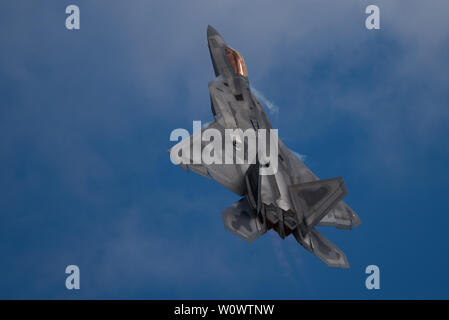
(341,215)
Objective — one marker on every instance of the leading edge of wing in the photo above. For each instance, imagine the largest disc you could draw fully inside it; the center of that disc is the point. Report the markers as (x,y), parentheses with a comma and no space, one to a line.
(341,216)
(228,175)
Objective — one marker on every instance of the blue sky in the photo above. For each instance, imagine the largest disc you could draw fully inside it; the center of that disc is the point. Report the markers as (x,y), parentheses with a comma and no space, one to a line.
(85,119)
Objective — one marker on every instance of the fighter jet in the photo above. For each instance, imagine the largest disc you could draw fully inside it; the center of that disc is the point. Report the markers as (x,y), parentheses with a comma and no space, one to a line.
(291,201)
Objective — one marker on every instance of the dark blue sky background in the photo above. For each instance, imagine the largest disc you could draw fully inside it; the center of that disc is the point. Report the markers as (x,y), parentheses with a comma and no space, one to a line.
(85,119)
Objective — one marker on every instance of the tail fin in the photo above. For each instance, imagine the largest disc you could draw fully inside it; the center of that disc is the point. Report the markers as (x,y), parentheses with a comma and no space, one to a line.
(342,217)
(313,200)
(320,246)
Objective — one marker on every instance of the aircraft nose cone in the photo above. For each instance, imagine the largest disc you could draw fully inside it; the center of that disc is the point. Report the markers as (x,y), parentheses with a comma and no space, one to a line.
(211,32)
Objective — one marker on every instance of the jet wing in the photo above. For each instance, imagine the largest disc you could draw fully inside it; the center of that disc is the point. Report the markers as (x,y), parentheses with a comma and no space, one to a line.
(341,216)
(228,175)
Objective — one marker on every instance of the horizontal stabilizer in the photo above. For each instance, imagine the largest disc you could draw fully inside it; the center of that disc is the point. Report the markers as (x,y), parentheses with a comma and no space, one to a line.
(325,250)
(313,200)
(240,219)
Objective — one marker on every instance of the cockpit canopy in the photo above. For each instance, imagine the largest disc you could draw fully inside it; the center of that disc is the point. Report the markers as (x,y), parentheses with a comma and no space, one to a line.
(236,61)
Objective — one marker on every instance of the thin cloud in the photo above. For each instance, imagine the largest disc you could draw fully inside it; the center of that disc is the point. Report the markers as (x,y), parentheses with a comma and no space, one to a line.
(273,108)
(301,157)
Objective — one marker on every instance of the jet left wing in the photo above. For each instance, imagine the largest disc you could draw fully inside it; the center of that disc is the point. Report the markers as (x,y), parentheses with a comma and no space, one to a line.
(228,175)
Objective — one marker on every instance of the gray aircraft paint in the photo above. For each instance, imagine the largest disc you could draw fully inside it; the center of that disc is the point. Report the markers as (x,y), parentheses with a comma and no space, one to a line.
(291,201)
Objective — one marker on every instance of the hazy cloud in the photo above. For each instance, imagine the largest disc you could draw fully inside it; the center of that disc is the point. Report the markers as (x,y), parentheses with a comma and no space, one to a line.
(86,117)
(301,157)
(272,108)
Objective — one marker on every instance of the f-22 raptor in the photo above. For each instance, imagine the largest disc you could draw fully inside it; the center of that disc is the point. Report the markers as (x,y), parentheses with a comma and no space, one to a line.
(292,200)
